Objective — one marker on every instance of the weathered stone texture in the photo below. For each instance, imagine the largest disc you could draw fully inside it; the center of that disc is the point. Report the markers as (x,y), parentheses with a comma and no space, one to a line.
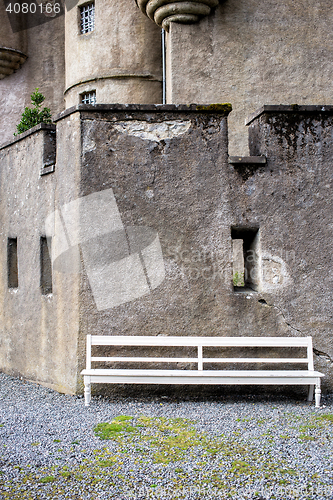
(120,59)
(44,68)
(290,199)
(250,53)
(174,186)
(168,170)
(184,189)
(38,332)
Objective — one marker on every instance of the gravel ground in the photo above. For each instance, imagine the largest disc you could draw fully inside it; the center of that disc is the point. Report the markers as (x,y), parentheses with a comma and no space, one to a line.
(239,447)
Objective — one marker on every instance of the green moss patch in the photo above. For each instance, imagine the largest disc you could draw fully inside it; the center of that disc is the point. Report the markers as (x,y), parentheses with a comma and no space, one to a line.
(224,108)
(156,453)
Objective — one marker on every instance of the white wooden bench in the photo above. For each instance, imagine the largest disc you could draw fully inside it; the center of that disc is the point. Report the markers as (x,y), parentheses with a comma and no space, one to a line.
(200,375)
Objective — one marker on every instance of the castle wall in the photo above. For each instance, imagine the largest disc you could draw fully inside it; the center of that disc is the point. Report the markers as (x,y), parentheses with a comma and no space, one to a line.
(44,68)
(183,188)
(250,53)
(290,199)
(38,338)
(147,196)
(8,38)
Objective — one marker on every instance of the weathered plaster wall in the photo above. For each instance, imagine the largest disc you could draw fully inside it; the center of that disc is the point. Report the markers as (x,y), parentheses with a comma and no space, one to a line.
(180,185)
(173,184)
(44,68)
(290,200)
(250,53)
(38,338)
(9,38)
(120,59)
(167,168)
(185,190)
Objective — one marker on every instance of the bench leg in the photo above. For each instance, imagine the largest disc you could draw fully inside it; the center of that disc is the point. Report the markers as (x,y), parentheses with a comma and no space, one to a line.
(317,394)
(310,394)
(87,391)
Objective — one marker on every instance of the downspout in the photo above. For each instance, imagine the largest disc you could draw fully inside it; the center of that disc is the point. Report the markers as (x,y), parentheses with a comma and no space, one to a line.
(163,69)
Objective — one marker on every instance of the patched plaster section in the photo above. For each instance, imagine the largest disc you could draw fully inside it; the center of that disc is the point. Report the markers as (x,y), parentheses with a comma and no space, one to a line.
(154,131)
(274,272)
(88,140)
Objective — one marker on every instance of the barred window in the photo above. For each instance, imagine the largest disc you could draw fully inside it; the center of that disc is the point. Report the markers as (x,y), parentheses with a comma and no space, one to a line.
(87,18)
(89,97)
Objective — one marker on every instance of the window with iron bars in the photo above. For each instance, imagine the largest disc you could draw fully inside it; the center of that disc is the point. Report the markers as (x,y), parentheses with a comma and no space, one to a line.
(89,97)
(87,18)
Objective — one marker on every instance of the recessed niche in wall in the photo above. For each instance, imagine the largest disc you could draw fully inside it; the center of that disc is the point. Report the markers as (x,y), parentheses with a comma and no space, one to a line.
(245,247)
(12,265)
(45,267)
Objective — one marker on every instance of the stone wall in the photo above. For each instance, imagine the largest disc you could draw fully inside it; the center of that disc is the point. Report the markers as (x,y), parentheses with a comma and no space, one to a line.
(175,179)
(250,53)
(143,208)
(39,330)
(44,44)
(290,200)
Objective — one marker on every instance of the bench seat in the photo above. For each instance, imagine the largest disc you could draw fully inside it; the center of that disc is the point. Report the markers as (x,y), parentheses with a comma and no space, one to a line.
(201,376)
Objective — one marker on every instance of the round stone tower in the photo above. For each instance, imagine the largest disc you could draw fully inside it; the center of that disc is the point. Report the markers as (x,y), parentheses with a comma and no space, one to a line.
(13,44)
(113,55)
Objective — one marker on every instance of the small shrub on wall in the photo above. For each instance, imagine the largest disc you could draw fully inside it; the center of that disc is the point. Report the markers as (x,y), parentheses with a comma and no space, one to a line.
(34,116)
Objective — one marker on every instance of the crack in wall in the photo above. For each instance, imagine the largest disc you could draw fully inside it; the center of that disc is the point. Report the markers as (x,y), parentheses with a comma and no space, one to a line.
(154,175)
(318,353)
(263,301)
(324,356)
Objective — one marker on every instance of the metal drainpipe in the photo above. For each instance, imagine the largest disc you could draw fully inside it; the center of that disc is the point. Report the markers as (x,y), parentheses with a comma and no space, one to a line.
(163,69)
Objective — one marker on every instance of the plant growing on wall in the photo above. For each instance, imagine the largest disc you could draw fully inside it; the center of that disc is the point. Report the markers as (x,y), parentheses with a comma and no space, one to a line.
(34,116)
(238,279)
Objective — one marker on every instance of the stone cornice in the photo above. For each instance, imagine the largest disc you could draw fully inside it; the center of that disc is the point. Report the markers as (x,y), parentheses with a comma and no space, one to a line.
(10,61)
(289,108)
(163,12)
(217,109)
(31,131)
(115,75)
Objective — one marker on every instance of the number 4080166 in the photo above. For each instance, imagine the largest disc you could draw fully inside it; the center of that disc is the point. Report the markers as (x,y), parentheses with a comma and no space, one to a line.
(33,8)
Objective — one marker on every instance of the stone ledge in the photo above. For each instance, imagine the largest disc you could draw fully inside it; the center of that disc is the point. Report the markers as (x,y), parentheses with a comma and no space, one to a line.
(289,108)
(33,130)
(219,109)
(115,75)
(47,169)
(10,61)
(246,160)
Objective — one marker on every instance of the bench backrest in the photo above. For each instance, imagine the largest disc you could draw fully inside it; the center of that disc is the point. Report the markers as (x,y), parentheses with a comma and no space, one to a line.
(199,343)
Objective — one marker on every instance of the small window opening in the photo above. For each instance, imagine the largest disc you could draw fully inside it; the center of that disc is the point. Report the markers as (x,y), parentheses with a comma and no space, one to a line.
(12,265)
(89,97)
(87,18)
(245,248)
(45,266)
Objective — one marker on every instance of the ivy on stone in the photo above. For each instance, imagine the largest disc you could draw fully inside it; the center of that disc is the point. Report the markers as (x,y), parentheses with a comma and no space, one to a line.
(34,116)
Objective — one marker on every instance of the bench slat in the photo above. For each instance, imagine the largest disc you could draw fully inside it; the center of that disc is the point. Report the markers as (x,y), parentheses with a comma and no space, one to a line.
(151,359)
(146,359)
(127,340)
(199,380)
(205,373)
